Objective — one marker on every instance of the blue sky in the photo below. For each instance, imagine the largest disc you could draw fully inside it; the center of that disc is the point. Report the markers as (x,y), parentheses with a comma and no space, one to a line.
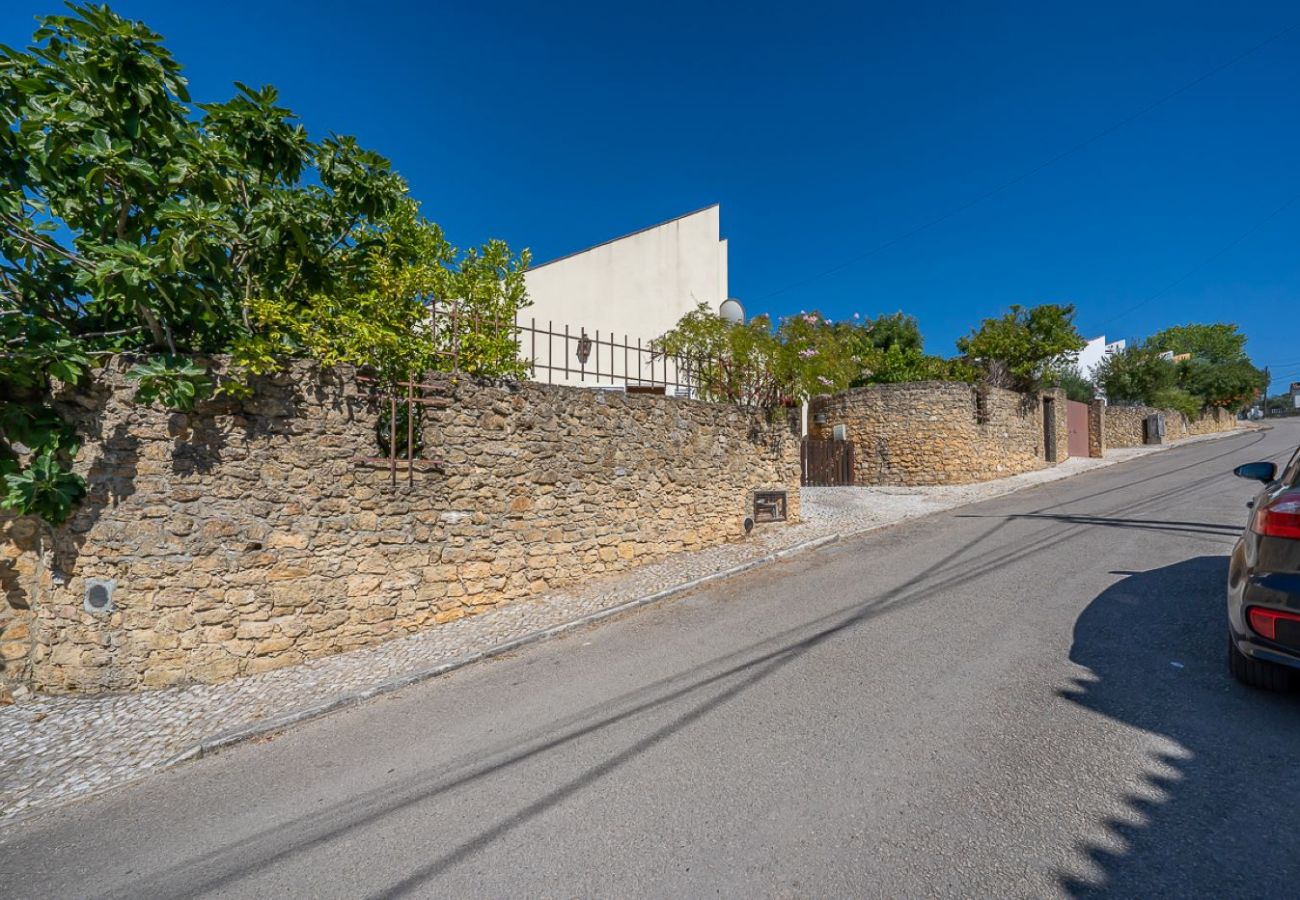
(826,131)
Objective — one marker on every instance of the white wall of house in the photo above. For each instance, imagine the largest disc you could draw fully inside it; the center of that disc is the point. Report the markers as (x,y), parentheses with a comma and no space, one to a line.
(636,286)
(1094,352)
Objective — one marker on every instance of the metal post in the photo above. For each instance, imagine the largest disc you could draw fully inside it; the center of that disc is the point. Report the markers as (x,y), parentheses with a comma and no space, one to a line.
(455,338)
(392,439)
(410,433)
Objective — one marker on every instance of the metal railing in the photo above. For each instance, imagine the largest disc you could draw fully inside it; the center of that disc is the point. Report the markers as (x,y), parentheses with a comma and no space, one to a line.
(546,353)
(564,357)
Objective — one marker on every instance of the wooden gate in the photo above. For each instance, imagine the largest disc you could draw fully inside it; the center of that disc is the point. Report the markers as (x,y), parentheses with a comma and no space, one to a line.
(826,463)
(1077,418)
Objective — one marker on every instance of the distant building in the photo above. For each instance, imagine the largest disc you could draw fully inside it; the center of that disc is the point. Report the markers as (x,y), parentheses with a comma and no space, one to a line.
(621,295)
(1094,352)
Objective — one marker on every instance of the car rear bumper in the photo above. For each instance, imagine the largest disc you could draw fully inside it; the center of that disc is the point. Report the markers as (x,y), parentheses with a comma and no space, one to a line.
(1256,647)
(1280,591)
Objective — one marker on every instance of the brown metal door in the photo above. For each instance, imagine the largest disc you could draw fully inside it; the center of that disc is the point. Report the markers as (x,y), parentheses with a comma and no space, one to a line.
(1077,417)
(826,463)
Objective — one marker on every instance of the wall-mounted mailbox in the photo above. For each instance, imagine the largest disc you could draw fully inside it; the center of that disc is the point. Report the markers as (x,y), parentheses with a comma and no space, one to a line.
(769,506)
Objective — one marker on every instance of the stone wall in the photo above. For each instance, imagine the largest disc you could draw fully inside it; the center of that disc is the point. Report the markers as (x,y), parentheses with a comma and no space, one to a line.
(1060,424)
(1096,429)
(248,536)
(1213,421)
(940,432)
(1123,425)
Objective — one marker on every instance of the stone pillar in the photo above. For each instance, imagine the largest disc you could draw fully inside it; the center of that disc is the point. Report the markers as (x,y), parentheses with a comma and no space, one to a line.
(1060,424)
(1097,429)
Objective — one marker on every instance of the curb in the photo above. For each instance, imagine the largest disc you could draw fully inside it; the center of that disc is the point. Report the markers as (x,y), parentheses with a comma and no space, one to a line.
(224,739)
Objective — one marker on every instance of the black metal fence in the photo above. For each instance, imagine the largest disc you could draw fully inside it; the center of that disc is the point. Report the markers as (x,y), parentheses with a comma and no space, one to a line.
(563,356)
(458,338)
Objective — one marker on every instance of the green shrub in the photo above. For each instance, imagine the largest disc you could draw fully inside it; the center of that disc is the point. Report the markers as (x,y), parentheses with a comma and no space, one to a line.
(1179,399)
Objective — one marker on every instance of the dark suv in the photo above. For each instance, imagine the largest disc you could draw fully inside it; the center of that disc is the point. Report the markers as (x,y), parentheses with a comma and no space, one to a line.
(1264,582)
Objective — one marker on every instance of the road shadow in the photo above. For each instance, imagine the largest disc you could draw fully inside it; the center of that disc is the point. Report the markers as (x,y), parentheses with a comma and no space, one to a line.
(1217,812)
(1228,529)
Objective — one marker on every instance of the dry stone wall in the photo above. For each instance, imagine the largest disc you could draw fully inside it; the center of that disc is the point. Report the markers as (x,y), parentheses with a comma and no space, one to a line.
(939,432)
(247,536)
(1123,425)
(1212,421)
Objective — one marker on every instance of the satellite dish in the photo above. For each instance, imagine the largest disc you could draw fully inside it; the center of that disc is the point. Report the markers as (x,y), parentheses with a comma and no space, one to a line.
(731,311)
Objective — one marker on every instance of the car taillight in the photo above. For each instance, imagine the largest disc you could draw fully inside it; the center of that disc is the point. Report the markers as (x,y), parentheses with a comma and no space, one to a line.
(1265,621)
(1280,518)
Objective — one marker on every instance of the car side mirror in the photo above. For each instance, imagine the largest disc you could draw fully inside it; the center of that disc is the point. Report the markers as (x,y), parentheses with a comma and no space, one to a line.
(1257,471)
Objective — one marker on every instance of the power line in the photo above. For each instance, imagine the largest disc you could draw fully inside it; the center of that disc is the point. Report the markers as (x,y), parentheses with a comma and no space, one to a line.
(1036,169)
(1205,262)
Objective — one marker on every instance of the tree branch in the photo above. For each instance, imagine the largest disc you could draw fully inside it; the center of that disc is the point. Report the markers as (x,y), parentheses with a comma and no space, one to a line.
(15,231)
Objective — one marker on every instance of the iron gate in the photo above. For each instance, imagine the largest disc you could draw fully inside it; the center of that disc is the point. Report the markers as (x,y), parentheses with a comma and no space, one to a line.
(826,463)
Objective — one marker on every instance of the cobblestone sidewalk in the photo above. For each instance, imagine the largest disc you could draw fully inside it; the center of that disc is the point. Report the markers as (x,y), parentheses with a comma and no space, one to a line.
(55,748)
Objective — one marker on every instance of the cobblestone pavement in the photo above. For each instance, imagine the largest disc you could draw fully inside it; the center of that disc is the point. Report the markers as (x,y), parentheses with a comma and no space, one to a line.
(54,748)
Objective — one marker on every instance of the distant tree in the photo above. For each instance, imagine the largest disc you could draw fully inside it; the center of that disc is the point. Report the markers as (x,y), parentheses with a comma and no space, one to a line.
(895,366)
(1219,371)
(1218,343)
(1135,374)
(888,349)
(1018,350)
(1281,405)
(1231,385)
(893,330)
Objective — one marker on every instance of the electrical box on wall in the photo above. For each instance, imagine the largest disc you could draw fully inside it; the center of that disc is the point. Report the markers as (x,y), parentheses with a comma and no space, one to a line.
(840,432)
(769,506)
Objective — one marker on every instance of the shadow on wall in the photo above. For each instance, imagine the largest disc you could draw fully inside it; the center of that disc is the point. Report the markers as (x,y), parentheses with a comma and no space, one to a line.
(124,463)
(1218,813)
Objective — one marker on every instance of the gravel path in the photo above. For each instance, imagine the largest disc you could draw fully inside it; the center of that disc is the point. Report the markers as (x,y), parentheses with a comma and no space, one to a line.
(55,748)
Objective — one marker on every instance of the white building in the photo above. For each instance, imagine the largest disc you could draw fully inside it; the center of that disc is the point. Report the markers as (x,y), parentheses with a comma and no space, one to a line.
(1094,352)
(621,295)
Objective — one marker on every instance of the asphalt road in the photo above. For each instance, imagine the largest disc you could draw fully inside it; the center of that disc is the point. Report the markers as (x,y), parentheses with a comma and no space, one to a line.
(1023,697)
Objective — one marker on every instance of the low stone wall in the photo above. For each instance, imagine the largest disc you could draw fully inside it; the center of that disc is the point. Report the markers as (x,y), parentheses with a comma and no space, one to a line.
(247,536)
(1213,421)
(940,432)
(1123,425)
